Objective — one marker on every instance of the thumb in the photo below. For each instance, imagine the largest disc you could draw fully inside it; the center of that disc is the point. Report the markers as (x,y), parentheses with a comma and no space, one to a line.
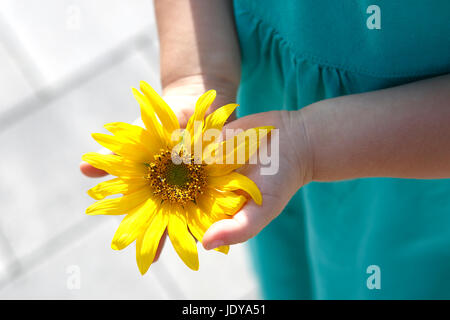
(245,224)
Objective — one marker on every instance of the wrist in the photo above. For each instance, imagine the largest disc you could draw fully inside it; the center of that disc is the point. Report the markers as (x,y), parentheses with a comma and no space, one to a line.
(300,136)
(182,93)
(193,84)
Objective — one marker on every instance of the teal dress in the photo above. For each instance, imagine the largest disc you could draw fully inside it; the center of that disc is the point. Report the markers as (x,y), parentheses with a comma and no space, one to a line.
(371,238)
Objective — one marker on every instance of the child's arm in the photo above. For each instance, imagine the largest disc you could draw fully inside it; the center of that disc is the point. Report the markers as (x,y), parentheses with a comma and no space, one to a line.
(401,132)
(199,50)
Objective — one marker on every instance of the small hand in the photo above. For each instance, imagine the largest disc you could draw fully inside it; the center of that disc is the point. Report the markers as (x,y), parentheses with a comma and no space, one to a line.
(277,189)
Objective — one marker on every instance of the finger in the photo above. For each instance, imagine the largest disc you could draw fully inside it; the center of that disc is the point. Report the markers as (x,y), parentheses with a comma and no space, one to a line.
(160,246)
(244,225)
(91,171)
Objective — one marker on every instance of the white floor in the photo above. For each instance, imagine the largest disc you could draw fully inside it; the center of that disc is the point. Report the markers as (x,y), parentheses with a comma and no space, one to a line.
(66,68)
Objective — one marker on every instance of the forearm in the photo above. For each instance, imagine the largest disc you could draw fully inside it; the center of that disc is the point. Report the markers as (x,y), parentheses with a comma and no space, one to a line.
(198,44)
(399,132)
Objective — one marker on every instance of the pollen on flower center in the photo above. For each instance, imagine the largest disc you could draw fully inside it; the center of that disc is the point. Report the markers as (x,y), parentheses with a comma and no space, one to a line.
(177,183)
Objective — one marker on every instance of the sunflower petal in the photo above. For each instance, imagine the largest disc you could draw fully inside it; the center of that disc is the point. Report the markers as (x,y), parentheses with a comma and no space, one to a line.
(241,152)
(164,112)
(115,165)
(220,205)
(228,201)
(116,186)
(134,224)
(208,205)
(124,147)
(118,206)
(147,243)
(236,181)
(198,222)
(181,239)
(149,118)
(202,105)
(134,134)
(217,119)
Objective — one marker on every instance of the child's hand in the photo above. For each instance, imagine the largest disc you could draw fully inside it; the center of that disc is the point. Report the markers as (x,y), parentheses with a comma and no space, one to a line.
(294,171)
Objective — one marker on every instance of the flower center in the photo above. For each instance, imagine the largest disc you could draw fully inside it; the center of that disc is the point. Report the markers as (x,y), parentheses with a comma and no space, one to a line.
(174,182)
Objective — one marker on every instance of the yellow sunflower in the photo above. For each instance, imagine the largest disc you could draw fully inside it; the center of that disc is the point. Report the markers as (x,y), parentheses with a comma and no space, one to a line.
(185,198)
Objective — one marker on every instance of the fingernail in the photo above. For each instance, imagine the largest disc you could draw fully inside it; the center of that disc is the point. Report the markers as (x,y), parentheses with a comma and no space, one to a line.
(214,244)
